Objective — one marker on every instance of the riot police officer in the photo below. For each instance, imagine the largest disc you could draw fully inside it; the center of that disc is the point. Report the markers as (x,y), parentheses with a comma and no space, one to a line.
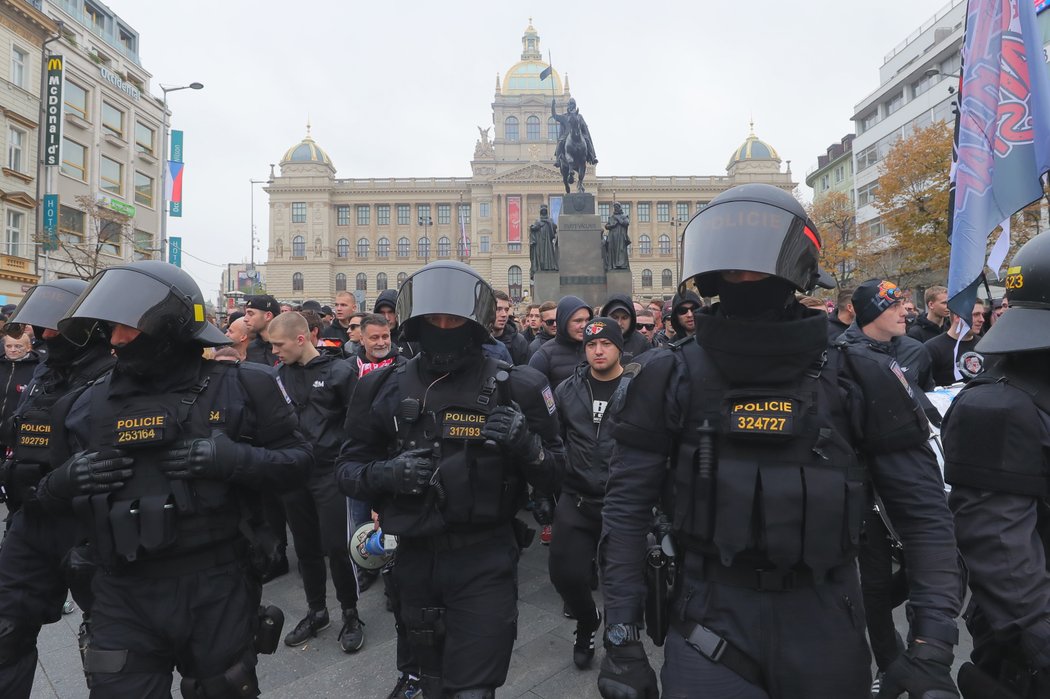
(763,426)
(32,581)
(162,463)
(443,446)
(995,438)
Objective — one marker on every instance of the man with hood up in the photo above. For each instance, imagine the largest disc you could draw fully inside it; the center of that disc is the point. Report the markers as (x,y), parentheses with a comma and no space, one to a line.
(682,320)
(620,308)
(557,358)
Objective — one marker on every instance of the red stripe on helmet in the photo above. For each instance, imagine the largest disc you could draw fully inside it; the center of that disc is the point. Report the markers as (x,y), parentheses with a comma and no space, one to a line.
(812,237)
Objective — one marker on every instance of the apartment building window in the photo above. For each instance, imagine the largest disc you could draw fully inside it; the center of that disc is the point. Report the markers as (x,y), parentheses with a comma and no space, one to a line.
(75,100)
(444,214)
(112,120)
(342,215)
(19,63)
(95,15)
(663,212)
(364,214)
(70,225)
(145,139)
(866,193)
(111,176)
(13,232)
(383,214)
(867,157)
(643,212)
(74,160)
(825,183)
(839,173)
(110,234)
(16,140)
(895,103)
(143,245)
(299,212)
(143,189)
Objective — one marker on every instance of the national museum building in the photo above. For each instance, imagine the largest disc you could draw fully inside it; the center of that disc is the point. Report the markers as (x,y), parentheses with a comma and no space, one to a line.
(366,235)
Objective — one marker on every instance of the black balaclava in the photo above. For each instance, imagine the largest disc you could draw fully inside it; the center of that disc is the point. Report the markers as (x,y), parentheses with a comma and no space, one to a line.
(765,299)
(60,351)
(148,357)
(447,349)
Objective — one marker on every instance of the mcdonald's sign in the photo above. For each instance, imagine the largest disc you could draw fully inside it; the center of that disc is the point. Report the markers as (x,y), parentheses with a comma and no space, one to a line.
(53,112)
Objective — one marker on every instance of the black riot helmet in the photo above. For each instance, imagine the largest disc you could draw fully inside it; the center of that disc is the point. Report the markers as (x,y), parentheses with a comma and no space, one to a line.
(1025,327)
(754,228)
(44,305)
(446,287)
(157,298)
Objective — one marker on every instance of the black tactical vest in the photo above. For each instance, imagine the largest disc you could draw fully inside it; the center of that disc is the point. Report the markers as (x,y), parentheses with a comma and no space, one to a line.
(768,470)
(153,516)
(475,485)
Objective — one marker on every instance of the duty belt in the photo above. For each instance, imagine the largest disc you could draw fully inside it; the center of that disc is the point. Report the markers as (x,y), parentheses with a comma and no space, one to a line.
(760,579)
(718,650)
(454,540)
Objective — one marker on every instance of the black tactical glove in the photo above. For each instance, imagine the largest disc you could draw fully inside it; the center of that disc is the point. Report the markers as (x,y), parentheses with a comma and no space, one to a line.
(626,673)
(215,458)
(923,671)
(508,427)
(88,473)
(407,473)
(542,508)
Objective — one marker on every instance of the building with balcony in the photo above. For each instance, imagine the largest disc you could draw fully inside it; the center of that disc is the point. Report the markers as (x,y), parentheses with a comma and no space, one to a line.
(364,235)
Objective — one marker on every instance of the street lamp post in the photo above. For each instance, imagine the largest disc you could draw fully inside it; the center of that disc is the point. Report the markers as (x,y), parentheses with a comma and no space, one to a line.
(253,183)
(426,222)
(164,164)
(677,223)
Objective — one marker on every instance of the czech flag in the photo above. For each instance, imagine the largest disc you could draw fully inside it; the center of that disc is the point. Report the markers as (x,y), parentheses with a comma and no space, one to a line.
(173,182)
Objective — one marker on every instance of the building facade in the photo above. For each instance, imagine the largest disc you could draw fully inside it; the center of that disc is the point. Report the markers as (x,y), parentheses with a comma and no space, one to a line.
(365,235)
(833,171)
(23,31)
(110,179)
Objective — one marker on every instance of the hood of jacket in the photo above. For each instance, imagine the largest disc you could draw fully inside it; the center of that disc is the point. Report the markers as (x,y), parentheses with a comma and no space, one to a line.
(621,301)
(566,307)
(678,300)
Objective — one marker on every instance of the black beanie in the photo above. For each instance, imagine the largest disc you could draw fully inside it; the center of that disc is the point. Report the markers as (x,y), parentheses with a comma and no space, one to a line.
(603,328)
(872,298)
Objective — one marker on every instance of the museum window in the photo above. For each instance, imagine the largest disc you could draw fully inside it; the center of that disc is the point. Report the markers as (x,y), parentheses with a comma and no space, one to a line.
(463,248)
(404,214)
(364,214)
(603,211)
(298,246)
(383,214)
(381,283)
(553,129)
(342,248)
(340,282)
(297,281)
(510,129)
(444,214)
(423,213)
(423,249)
(483,243)
(626,209)
(361,282)
(666,278)
(401,277)
(383,248)
(532,128)
(682,211)
(403,246)
(362,249)
(647,279)
(643,212)
(444,248)
(484,209)
(342,215)
(663,212)
(299,212)
(464,214)
(664,244)
(645,245)
(514,282)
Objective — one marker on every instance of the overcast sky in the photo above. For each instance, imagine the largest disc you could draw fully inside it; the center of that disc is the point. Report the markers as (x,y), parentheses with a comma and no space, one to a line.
(395,89)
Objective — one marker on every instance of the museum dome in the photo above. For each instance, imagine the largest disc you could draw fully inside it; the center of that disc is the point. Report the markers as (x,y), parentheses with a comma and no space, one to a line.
(754,148)
(306,151)
(524,76)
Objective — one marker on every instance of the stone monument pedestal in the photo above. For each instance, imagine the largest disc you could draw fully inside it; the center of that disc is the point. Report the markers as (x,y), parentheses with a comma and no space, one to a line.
(581,268)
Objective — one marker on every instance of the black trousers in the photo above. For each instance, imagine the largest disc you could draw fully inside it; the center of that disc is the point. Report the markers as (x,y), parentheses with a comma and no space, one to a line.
(273,513)
(33,588)
(876,580)
(808,641)
(572,553)
(459,608)
(317,516)
(203,623)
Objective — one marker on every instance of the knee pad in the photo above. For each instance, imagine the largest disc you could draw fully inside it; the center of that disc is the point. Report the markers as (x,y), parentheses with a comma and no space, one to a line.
(475,693)
(16,641)
(238,682)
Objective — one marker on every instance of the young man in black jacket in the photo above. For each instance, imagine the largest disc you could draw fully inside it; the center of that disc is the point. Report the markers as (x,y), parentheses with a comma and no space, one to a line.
(557,358)
(582,402)
(620,308)
(319,387)
(505,331)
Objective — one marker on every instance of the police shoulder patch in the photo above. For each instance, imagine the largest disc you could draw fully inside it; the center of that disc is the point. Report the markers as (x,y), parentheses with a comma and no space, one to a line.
(548,399)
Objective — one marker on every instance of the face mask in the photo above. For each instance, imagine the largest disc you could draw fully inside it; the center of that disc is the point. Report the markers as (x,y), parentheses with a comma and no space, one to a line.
(753,299)
(60,351)
(447,349)
(145,356)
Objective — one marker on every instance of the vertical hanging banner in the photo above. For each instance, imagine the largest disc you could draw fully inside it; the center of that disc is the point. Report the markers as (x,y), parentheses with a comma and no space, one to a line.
(175,250)
(173,181)
(53,112)
(514,220)
(50,242)
(555,209)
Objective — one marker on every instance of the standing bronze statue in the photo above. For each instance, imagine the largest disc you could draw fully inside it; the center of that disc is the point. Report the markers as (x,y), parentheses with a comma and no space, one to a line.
(543,244)
(575,148)
(616,240)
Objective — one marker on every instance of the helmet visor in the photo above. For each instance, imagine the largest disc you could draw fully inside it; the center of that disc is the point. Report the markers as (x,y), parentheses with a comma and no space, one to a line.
(130,298)
(448,291)
(43,306)
(749,236)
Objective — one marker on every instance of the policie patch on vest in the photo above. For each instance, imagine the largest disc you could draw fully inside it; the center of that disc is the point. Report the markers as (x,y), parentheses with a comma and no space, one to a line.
(462,424)
(34,434)
(762,416)
(141,429)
